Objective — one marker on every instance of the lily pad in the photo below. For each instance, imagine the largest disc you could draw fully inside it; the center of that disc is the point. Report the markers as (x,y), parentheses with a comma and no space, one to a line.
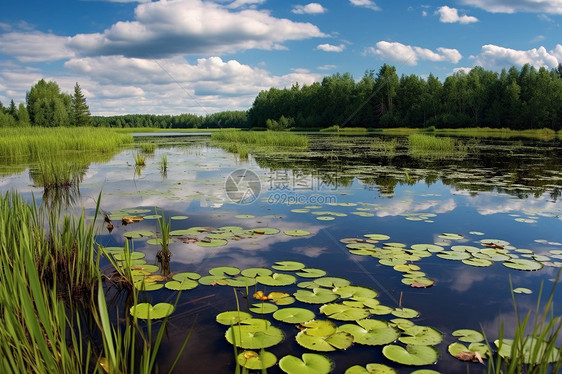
(133,255)
(186,284)
(254,272)
(266,231)
(212,242)
(276,279)
(293,315)
(332,282)
(370,369)
(469,336)
(522,290)
(332,342)
(311,273)
(296,232)
(224,271)
(405,313)
(256,361)
(263,308)
(137,234)
(377,236)
(187,275)
(478,262)
(315,296)
(356,292)
(421,335)
(147,311)
(343,312)
(375,335)
(232,317)
(475,352)
(254,335)
(288,266)
(310,363)
(241,281)
(523,264)
(416,355)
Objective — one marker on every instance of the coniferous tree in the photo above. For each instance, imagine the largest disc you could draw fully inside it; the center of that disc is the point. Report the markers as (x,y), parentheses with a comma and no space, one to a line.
(80,110)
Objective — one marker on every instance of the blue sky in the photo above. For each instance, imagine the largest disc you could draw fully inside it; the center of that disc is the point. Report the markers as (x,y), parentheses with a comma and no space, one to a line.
(204,56)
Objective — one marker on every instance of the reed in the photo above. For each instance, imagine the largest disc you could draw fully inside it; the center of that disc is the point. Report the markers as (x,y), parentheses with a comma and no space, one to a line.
(261,138)
(33,142)
(386,146)
(140,159)
(52,173)
(148,147)
(534,352)
(164,164)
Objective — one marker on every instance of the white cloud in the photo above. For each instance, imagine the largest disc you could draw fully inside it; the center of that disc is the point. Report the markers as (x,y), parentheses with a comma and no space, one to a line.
(496,57)
(242,3)
(168,28)
(409,55)
(35,46)
(451,15)
(464,70)
(312,8)
(327,67)
(365,4)
(331,48)
(510,6)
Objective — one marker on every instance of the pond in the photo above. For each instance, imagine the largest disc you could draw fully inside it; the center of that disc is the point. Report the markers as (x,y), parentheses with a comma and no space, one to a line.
(441,237)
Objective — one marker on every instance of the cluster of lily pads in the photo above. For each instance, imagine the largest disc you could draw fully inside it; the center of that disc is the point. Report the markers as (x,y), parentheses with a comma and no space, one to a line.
(489,251)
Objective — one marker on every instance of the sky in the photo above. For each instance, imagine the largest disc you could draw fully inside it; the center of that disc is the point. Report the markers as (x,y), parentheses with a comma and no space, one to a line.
(207,56)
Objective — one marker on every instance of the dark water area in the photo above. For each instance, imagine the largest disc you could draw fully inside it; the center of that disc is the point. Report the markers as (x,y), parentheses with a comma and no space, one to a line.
(340,188)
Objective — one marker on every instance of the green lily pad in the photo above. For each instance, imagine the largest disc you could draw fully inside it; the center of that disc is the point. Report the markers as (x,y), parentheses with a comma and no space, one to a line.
(137,234)
(356,292)
(454,255)
(381,310)
(451,236)
(311,273)
(186,284)
(263,308)
(133,255)
(296,232)
(255,335)
(241,282)
(213,280)
(147,311)
(405,313)
(179,218)
(421,335)
(310,363)
(276,279)
(187,275)
(370,369)
(377,236)
(381,335)
(232,317)
(212,242)
(343,312)
(288,266)
(332,342)
(147,286)
(522,290)
(416,355)
(145,267)
(427,247)
(224,271)
(332,282)
(478,262)
(254,272)
(256,361)
(318,327)
(426,371)
(523,264)
(315,296)
(469,336)
(293,315)
(325,218)
(244,216)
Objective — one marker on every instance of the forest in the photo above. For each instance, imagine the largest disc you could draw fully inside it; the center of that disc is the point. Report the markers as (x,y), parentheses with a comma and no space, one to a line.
(525,98)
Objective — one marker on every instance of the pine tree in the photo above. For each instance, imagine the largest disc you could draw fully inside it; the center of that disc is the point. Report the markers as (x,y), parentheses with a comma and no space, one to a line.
(80,110)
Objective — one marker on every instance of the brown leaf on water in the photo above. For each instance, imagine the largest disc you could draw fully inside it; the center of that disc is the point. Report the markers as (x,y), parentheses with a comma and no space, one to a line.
(470,356)
(132,219)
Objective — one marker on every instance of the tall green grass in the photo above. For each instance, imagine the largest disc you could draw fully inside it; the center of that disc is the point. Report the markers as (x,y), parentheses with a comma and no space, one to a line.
(148,147)
(33,142)
(533,349)
(422,145)
(261,138)
(386,146)
(140,159)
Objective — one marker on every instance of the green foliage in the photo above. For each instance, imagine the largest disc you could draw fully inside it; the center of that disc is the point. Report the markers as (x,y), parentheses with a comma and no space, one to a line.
(140,159)
(33,143)
(261,138)
(47,106)
(80,112)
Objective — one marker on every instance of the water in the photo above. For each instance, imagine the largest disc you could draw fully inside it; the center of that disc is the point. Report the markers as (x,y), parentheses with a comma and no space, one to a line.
(497,189)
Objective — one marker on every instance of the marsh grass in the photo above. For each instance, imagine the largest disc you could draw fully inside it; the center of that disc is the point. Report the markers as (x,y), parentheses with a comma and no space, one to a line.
(148,147)
(33,142)
(533,348)
(422,145)
(164,165)
(140,159)
(53,173)
(386,146)
(261,138)
(541,134)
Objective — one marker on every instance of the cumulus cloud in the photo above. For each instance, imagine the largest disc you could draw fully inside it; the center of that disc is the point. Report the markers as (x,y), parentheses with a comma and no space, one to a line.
(331,48)
(163,29)
(495,57)
(510,6)
(451,15)
(241,3)
(312,8)
(35,46)
(365,4)
(410,55)
(327,67)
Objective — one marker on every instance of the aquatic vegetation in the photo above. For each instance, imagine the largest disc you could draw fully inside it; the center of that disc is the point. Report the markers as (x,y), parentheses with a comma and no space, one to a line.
(53,173)
(33,143)
(261,138)
(148,147)
(140,159)
(164,165)
(386,146)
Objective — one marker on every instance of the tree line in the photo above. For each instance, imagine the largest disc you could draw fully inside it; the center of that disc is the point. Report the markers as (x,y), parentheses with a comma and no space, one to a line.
(47,106)
(523,98)
(514,98)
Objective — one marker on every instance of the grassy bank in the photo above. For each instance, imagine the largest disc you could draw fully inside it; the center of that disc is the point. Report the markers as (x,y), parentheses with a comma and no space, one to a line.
(261,138)
(34,142)
(479,132)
